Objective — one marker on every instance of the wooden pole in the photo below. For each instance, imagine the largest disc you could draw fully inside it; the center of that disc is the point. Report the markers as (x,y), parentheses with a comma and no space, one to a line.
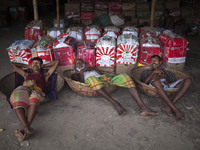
(35,10)
(152,13)
(58,16)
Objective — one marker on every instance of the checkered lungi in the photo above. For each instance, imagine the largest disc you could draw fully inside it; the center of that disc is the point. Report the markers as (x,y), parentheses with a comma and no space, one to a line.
(24,96)
(122,80)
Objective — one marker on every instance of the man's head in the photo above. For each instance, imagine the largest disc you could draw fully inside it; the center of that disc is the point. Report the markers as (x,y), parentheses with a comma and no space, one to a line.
(79,63)
(36,63)
(156,61)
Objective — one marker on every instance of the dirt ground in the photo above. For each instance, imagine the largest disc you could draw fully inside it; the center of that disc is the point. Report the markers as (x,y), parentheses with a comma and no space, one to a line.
(75,122)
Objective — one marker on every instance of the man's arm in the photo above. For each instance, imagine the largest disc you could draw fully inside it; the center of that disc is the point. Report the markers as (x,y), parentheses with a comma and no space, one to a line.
(18,68)
(53,65)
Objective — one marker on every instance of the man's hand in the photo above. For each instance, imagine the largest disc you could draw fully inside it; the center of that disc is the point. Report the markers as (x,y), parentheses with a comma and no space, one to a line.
(86,69)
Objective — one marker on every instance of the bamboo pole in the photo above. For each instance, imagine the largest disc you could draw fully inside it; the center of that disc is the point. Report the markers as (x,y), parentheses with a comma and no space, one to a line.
(58,15)
(35,10)
(152,13)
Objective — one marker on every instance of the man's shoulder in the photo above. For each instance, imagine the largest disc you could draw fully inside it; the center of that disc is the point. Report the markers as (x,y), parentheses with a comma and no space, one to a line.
(147,71)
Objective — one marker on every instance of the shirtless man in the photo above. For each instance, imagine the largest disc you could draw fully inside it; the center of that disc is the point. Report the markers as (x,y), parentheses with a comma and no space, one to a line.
(161,80)
(95,80)
(25,99)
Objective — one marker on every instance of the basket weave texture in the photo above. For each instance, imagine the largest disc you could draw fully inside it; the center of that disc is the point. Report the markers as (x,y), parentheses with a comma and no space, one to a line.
(82,88)
(151,91)
(7,84)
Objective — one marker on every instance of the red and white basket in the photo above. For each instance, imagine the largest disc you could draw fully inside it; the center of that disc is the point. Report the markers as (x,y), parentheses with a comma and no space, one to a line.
(76,32)
(20,51)
(127,49)
(149,46)
(64,50)
(86,51)
(131,30)
(92,33)
(111,31)
(44,50)
(106,50)
(34,30)
(174,48)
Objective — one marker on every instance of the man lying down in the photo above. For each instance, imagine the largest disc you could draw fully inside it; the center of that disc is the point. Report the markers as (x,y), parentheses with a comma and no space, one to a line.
(97,81)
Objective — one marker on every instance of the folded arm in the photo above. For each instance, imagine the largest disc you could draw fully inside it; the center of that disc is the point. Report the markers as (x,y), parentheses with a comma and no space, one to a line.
(53,66)
(18,68)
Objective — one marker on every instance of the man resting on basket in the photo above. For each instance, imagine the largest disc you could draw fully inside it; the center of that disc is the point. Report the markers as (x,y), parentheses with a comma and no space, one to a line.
(162,80)
(96,81)
(26,98)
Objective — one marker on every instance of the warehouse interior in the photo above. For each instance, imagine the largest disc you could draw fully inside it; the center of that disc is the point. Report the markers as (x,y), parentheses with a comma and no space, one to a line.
(74,121)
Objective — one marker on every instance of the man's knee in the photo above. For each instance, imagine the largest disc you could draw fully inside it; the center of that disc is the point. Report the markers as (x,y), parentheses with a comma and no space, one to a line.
(188,81)
(157,84)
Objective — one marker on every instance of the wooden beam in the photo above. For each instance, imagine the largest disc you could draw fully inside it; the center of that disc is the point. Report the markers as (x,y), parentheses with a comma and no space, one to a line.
(35,10)
(152,13)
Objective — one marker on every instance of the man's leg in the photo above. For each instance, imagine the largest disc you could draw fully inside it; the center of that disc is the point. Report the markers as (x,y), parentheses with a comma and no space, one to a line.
(166,99)
(183,86)
(102,92)
(20,112)
(144,111)
(32,111)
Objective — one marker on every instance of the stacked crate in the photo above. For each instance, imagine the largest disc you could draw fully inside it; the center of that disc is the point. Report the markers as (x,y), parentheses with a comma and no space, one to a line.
(174,8)
(87,12)
(143,13)
(187,13)
(72,12)
(159,11)
(128,10)
(100,8)
(115,7)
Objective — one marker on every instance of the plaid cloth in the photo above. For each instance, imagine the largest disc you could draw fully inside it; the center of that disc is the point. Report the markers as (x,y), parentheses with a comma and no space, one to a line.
(51,93)
(23,96)
(122,80)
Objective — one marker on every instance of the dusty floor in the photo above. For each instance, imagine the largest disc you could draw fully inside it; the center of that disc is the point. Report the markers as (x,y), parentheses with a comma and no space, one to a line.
(76,122)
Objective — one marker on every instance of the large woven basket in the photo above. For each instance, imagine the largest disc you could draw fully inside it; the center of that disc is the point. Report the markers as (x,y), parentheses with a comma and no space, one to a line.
(123,68)
(82,88)
(7,84)
(151,91)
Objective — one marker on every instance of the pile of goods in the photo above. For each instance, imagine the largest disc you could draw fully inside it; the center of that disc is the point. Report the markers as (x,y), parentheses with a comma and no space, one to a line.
(109,49)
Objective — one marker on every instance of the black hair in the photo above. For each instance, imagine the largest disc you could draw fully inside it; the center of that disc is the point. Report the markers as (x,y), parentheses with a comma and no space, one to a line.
(80,60)
(37,58)
(159,58)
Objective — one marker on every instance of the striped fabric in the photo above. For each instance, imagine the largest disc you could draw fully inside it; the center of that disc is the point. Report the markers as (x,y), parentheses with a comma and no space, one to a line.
(122,80)
(23,96)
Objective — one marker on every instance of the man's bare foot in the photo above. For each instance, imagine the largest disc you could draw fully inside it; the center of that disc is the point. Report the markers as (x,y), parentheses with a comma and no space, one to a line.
(148,112)
(179,116)
(168,111)
(22,134)
(120,110)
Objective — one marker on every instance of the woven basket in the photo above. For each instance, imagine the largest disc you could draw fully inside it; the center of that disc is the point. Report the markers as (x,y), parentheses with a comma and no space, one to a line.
(106,69)
(151,91)
(123,68)
(177,66)
(82,88)
(7,84)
